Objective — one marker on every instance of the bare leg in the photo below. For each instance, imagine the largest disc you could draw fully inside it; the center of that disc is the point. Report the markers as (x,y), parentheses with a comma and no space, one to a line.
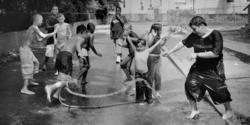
(56,94)
(32,82)
(127,73)
(195,112)
(50,88)
(228,111)
(25,89)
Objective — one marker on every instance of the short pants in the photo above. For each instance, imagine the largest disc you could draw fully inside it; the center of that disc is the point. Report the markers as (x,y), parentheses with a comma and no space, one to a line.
(50,50)
(64,63)
(29,63)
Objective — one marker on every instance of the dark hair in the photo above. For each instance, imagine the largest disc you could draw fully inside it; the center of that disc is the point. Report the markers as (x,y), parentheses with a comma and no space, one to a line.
(55,6)
(59,15)
(141,40)
(157,27)
(118,7)
(91,27)
(197,21)
(80,29)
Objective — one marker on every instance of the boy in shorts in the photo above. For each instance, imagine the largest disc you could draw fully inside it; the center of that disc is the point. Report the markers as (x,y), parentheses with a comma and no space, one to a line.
(83,56)
(64,63)
(29,63)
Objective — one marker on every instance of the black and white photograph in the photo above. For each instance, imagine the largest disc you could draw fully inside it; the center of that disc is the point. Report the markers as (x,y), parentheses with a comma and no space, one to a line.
(124,62)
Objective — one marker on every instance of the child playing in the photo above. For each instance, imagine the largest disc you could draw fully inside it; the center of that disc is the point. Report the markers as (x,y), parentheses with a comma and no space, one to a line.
(127,61)
(64,62)
(85,46)
(63,33)
(141,53)
(29,63)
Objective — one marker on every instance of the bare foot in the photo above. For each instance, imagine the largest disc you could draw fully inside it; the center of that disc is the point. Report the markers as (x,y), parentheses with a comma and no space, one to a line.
(34,83)
(158,95)
(56,73)
(194,114)
(48,92)
(128,79)
(227,115)
(26,91)
(57,97)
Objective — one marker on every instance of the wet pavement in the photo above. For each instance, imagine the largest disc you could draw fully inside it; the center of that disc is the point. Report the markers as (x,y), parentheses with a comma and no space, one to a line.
(104,77)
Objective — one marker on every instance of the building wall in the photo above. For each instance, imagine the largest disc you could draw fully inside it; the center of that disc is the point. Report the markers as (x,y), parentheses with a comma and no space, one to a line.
(200,6)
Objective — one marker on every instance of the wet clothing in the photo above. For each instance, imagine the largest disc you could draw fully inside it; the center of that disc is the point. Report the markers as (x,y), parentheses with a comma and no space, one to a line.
(84,66)
(154,63)
(29,63)
(207,74)
(64,62)
(213,42)
(143,93)
(84,63)
(50,23)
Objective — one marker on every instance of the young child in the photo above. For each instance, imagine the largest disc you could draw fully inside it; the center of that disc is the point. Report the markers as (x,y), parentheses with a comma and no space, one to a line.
(141,53)
(154,60)
(29,63)
(83,56)
(63,33)
(50,46)
(64,62)
(127,61)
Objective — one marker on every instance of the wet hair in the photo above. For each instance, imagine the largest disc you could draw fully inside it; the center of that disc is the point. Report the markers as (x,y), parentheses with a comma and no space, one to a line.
(91,27)
(35,16)
(80,29)
(141,40)
(60,15)
(157,27)
(197,21)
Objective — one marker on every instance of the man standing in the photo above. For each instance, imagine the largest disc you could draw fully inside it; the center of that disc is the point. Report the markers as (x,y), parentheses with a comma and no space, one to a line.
(49,26)
(207,73)
(117,28)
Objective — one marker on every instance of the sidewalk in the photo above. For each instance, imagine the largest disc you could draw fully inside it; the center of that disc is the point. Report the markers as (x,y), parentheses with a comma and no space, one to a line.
(237,46)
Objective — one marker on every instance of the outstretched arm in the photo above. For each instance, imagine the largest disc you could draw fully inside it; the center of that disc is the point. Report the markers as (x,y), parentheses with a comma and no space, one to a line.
(93,47)
(41,34)
(177,47)
(130,42)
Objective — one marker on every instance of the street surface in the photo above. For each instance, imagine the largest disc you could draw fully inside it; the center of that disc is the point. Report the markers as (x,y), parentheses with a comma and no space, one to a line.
(104,77)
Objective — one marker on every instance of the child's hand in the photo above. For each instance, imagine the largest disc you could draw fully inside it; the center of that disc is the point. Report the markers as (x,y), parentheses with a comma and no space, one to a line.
(165,54)
(193,56)
(99,54)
